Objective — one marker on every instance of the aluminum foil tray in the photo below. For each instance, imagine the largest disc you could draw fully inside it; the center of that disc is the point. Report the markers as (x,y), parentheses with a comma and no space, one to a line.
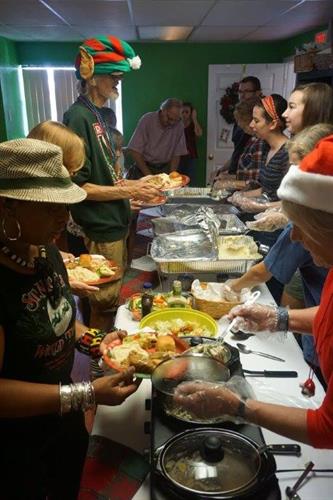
(185,208)
(217,266)
(230,224)
(225,265)
(193,192)
(183,246)
(193,195)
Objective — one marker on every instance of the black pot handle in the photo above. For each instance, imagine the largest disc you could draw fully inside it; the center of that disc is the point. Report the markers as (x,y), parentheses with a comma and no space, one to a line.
(284,449)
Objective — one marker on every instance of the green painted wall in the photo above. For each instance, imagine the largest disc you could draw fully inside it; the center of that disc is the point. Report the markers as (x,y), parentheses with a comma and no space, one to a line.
(169,69)
(46,53)
(11,99)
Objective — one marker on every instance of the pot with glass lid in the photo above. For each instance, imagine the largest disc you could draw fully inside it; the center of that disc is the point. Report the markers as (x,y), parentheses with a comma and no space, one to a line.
(213,463)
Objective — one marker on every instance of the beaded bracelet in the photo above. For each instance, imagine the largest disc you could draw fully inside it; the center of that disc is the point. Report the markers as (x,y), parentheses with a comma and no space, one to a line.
(74,397)
(90,341)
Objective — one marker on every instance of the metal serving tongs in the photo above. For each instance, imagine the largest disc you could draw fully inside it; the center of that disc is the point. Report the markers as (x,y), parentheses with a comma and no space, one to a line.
(253,297)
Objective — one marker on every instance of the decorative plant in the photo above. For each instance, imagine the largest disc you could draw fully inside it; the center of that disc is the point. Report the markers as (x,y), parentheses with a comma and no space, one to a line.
(228,102)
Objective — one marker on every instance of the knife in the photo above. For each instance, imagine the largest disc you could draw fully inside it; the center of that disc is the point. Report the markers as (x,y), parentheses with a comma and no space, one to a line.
(271,373)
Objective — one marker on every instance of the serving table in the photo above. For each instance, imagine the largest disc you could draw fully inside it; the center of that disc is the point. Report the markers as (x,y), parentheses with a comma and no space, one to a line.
(127,423)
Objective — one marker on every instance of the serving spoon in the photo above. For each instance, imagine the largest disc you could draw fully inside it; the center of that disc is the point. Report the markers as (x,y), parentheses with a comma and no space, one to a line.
(245,350)
(292,492)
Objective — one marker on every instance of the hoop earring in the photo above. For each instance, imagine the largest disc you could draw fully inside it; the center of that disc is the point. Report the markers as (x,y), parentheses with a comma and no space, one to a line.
(18,227)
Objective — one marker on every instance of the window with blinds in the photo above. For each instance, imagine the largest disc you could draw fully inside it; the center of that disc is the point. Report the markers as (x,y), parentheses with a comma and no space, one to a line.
(49,92)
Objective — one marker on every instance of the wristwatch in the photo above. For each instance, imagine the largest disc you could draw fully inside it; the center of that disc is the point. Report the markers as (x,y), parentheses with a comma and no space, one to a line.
(282,319)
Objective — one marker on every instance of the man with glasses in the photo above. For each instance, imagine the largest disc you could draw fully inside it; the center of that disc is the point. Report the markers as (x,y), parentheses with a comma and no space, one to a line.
(158,140)
(249,87)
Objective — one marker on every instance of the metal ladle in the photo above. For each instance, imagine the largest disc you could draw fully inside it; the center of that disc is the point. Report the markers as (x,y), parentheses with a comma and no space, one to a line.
(292,492)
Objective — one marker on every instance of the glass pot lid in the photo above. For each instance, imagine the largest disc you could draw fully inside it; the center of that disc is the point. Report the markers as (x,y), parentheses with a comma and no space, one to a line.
(211,461)
(170,373)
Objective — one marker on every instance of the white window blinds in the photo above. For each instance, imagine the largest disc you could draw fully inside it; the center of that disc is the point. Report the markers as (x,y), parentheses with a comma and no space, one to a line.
(37,96)
(65,86)
(49,92)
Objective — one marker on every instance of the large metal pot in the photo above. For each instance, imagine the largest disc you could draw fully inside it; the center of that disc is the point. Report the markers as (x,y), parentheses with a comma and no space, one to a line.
(213,463)
(223,352)
(194,367)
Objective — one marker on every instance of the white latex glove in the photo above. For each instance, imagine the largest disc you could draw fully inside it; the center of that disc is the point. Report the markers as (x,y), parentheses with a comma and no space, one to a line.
(270,222)
(206,399)
(251,206)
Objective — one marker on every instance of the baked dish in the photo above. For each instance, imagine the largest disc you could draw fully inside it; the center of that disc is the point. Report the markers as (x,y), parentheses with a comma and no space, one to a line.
(91,269)
(238,247)
(142,350)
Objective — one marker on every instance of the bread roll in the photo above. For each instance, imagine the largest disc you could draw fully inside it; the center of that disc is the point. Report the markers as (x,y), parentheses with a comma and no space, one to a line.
(85,260)
(165,343)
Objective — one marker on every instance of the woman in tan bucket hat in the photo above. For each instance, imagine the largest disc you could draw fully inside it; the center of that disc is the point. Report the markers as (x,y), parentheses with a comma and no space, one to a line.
(42,433)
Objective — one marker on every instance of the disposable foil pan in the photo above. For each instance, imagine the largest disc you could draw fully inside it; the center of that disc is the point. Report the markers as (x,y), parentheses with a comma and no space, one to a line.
(184,208)
(229,224)
(183,246)
(200,195)
(193,191)
(205,267)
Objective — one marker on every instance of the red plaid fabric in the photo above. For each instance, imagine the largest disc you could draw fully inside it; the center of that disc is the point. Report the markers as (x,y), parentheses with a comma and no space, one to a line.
(251,159)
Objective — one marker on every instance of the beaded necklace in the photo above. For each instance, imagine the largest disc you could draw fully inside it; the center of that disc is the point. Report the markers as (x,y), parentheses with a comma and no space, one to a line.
(108,139)
(44,269)
(16,258)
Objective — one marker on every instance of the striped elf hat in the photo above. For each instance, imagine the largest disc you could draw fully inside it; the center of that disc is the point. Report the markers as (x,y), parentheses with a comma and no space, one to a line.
(311,183)
(32,170)
(105,54)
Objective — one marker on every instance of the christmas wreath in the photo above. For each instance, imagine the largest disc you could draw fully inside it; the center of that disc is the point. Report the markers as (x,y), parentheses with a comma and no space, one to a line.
(228,102)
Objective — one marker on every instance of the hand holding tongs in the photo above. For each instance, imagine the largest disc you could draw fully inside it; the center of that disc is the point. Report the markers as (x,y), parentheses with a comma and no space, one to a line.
(253,297)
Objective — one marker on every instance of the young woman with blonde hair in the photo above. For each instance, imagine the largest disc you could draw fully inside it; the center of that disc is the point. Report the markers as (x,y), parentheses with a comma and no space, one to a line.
(71,144)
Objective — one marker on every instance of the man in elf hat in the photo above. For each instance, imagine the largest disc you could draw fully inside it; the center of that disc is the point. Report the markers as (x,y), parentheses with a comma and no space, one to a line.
(105,215)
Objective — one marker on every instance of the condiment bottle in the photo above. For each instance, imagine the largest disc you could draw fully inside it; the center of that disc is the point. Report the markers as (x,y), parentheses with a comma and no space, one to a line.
(147,299)
(177,299)
(186,280)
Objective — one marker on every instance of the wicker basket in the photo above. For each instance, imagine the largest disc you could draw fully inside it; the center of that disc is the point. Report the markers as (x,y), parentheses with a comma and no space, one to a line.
(304,62)
(213,308)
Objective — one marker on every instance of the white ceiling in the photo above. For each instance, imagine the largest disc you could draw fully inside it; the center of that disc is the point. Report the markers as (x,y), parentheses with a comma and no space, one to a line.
(161,20)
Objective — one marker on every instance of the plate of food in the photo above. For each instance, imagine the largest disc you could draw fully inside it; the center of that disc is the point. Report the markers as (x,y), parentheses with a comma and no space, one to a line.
(160,301)
(154,202)
(93,269)
(168,182)
(181,322)
(143,350)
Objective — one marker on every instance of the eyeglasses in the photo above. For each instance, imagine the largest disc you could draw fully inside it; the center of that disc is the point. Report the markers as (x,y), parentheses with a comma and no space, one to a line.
(246,91)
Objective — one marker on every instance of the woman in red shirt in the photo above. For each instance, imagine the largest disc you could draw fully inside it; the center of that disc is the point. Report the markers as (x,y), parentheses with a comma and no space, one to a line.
(306,192)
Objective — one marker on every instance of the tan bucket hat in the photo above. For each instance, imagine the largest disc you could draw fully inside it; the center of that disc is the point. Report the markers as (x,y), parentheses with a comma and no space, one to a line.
(32,170)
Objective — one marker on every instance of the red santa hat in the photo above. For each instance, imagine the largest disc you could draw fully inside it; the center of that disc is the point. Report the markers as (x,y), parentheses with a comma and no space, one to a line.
(311,183)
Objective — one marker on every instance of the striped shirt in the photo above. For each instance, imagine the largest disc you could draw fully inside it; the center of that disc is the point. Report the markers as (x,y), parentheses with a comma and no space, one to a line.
(271,175)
